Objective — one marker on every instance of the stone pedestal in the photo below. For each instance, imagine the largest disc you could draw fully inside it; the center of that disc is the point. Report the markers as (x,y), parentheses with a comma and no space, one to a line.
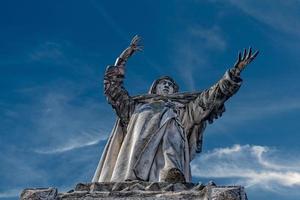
(138,190)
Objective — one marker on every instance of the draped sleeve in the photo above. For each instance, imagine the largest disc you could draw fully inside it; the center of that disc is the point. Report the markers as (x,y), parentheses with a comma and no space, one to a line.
(209,105)
(116,94)
(206,107)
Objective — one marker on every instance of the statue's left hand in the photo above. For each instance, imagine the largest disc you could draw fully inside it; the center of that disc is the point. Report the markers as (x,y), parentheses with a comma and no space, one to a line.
(242,62)
(135,45)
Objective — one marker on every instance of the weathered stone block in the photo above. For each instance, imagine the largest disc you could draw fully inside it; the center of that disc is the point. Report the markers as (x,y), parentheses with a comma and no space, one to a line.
(135,190)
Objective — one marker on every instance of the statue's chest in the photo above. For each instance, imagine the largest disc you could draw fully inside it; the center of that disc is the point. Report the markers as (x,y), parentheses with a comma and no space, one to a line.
(160,107)
(155,107)
(149,117)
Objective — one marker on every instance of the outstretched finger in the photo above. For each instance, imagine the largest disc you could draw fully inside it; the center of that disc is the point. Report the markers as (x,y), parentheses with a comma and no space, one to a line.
(140,48)
(240,57)
(249,53)
(238,60)
(138,39)
(254,55)
(135,39)
(245,54)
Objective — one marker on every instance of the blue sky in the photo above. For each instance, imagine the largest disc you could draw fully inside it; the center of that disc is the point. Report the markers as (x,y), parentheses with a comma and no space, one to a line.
(55,119)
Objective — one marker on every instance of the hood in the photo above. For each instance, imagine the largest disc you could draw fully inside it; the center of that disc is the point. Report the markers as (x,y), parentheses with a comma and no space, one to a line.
(152,89)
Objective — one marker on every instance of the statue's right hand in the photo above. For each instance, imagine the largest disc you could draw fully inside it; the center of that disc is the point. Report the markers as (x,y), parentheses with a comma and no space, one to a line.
(135,44)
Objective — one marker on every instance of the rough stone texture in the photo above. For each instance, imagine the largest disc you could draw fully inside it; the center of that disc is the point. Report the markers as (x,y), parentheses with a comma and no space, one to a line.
(135,190)
(39,193)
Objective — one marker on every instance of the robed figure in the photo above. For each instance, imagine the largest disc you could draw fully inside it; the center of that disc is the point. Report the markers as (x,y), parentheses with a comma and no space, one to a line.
(157,135)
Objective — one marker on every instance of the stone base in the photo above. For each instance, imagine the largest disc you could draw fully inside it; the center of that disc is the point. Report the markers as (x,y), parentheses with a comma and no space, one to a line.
(134,190)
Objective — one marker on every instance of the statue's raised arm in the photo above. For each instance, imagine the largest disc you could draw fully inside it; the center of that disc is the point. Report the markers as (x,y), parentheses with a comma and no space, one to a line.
(114,89)
(210,103)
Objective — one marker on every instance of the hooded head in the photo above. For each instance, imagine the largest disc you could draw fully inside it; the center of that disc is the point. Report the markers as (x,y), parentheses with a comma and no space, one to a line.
(164,85)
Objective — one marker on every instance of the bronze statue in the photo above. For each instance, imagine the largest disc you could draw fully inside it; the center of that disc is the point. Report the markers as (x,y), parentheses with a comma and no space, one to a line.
(158,134)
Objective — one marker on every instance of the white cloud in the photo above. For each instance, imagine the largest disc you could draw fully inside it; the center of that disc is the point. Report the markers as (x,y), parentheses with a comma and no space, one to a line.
(249,165)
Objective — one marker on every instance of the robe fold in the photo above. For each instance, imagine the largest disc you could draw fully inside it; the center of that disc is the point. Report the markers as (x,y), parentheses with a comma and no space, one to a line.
(155,133)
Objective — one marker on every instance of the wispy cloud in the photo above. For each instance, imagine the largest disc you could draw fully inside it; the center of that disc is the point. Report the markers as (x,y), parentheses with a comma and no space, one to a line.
(63,54)
(250,165)
(18,163)
(262,109)
(58,119)
(59,115)
(10,193)
(78,141)
(62,116)
(193,52)
(109,20)
(47,50)
(70,145)
(248,109)
(63,123)
(189,62)
(212,38)
(43,51)
(280,15)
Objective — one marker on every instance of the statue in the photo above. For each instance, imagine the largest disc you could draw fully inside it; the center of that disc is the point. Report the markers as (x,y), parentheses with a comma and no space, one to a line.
(157,135)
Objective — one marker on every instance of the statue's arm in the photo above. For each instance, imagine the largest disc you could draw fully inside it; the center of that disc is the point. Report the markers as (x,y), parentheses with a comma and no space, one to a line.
(209,105)
(114,89)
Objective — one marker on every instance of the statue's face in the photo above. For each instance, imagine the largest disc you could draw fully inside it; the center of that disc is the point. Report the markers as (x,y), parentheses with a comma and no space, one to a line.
(165,87)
